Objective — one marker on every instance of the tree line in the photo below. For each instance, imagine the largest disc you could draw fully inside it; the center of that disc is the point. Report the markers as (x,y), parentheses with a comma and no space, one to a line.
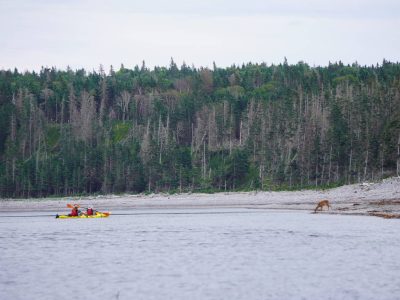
(248,127)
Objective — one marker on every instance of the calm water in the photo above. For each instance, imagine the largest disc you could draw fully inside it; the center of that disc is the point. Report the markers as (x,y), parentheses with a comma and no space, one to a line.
(200,254)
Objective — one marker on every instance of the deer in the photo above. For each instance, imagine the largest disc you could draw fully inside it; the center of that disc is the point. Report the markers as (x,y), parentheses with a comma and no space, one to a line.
(321,205)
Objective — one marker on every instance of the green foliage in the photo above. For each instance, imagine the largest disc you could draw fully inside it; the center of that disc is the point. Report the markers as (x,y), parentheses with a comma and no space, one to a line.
(351,79)
(391,136)
(178,129)
(52,135)
(5,115)
(237,168)
(266,91)
(339,133)
(120,131)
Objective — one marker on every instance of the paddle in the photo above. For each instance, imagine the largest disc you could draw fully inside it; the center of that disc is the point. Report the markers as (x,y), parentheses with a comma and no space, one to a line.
(73,205)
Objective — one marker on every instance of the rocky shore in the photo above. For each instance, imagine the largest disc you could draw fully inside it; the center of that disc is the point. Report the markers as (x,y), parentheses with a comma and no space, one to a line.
(381,199)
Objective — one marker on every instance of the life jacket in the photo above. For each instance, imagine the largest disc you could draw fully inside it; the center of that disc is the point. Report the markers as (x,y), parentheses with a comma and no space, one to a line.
(74,212)
(89,212)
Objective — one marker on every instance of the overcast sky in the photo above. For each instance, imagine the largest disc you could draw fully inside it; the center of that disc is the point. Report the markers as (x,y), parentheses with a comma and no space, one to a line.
(87,33)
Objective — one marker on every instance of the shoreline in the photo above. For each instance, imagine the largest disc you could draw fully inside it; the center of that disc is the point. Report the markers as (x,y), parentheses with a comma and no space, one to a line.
(381,199)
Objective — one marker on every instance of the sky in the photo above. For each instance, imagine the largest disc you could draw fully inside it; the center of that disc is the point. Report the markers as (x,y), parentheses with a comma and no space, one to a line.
(87,33)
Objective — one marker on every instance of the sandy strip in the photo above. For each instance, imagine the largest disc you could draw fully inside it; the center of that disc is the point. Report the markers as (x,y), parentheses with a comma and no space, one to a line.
(380,199)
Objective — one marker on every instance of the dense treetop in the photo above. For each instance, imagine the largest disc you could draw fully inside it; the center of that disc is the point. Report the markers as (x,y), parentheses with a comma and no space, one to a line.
(255,126)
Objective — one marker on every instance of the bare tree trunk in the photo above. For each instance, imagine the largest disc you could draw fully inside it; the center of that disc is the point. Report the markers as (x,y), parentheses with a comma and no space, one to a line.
(330,165)
(308,169)
(323,169)
(149,180)
(382,162)
(192,142)
(103,101)
(240,133)
(398,157)
(180,180)
(159,139)
(204,160)
(230,134)
(160,158)
(337,171)
(124,101)
(365,165)
(254,151)
(350,161)
(31,125)
(13,136)
(105,171)
(224,113)
(86,115)
(159,130)
(167,132)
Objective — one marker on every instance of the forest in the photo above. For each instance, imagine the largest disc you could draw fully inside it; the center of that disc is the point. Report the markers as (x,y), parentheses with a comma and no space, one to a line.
(187,129)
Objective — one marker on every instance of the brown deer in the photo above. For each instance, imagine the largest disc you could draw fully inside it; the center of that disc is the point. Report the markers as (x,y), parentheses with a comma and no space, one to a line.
(321,205)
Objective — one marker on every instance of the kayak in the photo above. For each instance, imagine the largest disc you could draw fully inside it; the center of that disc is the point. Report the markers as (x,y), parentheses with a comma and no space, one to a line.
(83,216)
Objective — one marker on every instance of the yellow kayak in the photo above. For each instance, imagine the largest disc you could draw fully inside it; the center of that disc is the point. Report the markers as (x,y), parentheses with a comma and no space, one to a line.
(83,216)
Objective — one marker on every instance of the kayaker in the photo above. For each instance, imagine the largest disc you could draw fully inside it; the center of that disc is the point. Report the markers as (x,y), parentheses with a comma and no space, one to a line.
(89,211)
(74,212)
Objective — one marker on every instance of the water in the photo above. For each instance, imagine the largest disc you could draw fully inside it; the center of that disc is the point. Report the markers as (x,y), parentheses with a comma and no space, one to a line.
(200,254)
